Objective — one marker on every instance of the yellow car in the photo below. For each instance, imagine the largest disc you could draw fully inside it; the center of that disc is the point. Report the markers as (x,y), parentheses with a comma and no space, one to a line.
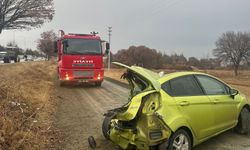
(174,112)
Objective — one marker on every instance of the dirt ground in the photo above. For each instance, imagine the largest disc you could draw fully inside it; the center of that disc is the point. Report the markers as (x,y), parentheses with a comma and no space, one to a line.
(80,113)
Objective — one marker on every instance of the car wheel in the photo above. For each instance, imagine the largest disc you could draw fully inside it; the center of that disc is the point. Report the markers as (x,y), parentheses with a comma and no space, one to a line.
(106,126)
(6,60)
(243,125)
(180,140)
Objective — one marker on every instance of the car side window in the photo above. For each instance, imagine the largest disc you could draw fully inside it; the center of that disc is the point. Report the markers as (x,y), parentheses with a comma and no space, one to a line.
(212,86)
(166,87)
(183,86)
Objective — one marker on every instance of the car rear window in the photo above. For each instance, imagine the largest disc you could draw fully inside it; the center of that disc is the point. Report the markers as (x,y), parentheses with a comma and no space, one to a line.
(182,86)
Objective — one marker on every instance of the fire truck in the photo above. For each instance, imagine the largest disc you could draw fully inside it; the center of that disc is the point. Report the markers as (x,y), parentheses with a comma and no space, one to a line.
(80,58)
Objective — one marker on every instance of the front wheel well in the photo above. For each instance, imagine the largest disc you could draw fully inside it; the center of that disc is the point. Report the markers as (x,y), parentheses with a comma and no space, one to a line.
(247,107)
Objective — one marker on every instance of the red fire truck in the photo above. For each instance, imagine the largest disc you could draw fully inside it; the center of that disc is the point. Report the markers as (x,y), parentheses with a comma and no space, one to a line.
(80,58)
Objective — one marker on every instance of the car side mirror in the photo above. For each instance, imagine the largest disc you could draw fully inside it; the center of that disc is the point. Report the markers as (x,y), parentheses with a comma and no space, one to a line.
(233,92)
(55,46)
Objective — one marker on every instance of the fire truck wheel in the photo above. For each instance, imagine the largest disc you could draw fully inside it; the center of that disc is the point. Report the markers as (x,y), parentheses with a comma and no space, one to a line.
(98,83)
(61,83)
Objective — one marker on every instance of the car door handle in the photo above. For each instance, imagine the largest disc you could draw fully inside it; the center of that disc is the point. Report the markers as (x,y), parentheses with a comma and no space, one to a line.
(215,101)
(184,103)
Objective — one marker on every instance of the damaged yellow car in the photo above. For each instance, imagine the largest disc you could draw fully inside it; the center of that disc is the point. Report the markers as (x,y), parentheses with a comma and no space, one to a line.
(174,112)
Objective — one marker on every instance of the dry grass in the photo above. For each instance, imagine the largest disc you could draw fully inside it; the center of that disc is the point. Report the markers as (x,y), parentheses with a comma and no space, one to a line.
(26,105)
(115,74)
(241,82)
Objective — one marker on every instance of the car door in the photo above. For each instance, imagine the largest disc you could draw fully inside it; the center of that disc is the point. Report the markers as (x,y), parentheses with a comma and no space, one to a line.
(224,106)
(193,105)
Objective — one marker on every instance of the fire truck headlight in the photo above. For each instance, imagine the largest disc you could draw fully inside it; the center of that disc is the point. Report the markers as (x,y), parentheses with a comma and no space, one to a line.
(67,76)
(99,76)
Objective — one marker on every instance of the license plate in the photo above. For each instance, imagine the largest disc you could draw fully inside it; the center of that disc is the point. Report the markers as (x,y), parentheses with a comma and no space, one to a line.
(83,73)
(82,81)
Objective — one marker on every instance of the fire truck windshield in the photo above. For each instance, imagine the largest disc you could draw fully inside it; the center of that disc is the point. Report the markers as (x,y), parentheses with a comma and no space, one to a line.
(82,46)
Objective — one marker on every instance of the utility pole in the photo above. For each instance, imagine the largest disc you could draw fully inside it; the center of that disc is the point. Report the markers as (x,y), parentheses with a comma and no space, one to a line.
(14,37)
(109,30)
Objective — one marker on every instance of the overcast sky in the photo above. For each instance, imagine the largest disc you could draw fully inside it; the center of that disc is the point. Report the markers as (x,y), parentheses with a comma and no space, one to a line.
(190,27)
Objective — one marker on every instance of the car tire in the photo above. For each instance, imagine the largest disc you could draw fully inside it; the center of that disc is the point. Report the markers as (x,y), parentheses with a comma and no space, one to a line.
(243,126)
(6,60)
(180,139)
(106,126)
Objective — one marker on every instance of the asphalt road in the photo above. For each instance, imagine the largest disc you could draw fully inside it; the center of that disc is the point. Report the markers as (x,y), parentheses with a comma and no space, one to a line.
(80,114)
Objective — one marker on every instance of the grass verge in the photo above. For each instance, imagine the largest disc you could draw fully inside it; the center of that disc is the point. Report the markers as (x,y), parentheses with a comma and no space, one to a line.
(26,106)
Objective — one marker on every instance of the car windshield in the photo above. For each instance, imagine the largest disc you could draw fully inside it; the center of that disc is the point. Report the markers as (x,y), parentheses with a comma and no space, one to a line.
(82,46)
(2,55)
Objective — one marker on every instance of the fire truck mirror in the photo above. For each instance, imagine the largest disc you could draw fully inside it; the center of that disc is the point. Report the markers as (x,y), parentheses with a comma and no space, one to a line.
(55,46)
(107,46)
(65,43)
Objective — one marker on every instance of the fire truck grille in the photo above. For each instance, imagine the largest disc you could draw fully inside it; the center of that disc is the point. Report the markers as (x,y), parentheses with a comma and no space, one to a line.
(78,74)
(83,65)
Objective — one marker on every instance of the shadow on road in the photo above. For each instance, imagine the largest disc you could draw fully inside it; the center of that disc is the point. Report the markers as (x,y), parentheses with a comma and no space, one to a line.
(226,141)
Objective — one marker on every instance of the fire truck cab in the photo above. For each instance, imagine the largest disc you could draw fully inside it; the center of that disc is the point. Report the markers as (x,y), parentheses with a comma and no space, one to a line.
(80,58)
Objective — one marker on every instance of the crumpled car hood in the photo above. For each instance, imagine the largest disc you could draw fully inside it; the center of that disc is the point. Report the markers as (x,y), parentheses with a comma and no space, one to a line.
(150,76)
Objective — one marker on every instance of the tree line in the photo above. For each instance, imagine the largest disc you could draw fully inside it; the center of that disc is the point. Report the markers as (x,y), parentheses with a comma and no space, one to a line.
(232,51)
(153,59)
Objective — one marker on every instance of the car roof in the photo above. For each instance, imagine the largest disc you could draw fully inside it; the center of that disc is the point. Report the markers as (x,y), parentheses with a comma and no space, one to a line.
(170,76)
(179,74)
(155,79)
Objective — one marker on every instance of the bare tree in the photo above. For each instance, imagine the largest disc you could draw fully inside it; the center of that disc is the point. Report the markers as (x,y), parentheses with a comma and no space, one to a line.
(193,61)
(46,43)
(141,56)
(12,44)
(233,48)
(25,14)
